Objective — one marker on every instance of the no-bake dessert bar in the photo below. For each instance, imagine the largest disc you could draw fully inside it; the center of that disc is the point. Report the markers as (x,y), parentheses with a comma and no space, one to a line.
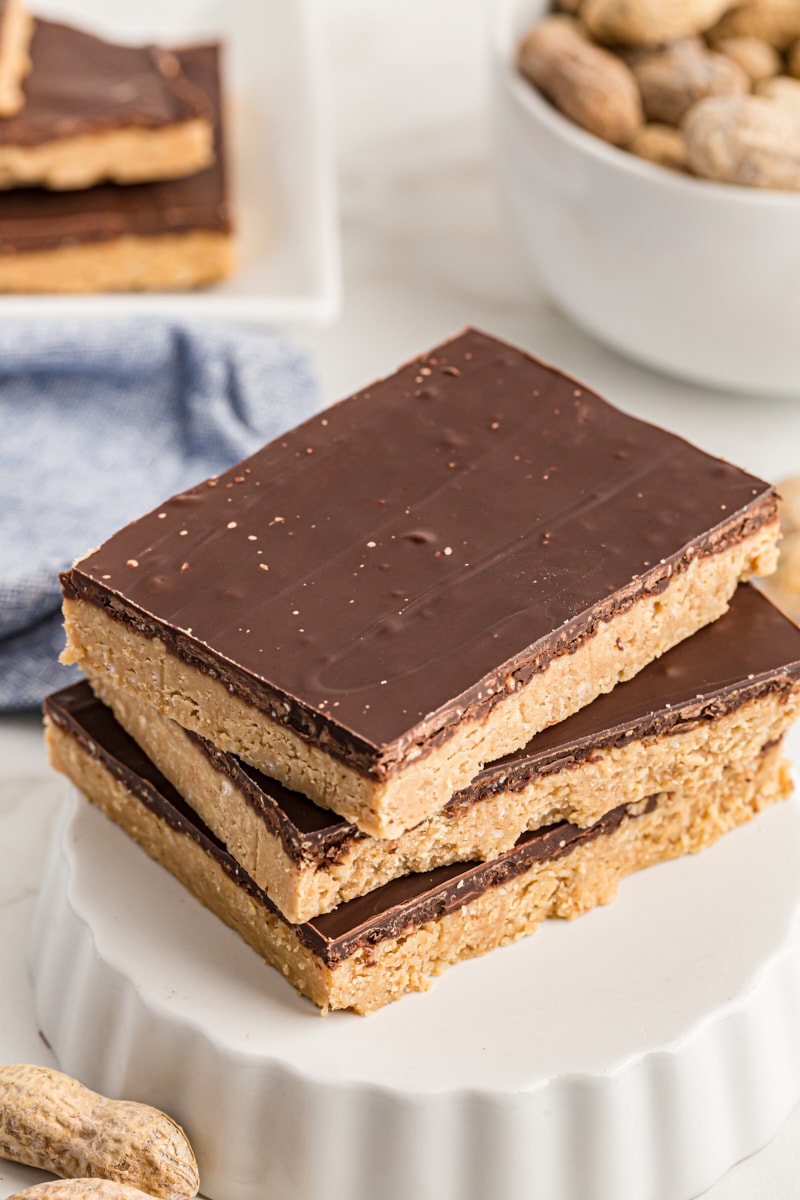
(96,111)
(415,582)
(170,234)
(16,27)
(372,950)
(707,707)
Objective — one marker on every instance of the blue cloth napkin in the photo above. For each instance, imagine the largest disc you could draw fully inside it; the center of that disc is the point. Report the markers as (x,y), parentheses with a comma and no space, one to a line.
(98,424)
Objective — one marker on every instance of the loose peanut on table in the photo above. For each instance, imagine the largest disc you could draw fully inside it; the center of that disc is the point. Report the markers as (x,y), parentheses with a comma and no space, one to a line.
(650,22)
(747,140)
(587,83)
(81,1189)
(673,79)
(783,587)
(789,505)
(53,1122)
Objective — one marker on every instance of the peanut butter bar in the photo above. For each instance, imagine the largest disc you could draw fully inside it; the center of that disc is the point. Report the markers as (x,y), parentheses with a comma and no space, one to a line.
(176,233)
(416,581)
(16,27)
(709,704)
(372,950)
(96,111)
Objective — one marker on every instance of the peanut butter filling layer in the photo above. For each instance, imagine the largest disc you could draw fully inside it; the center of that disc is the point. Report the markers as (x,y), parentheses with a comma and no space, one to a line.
(125,264)
(682,722)
(122,156)
(94,110)
(372,951)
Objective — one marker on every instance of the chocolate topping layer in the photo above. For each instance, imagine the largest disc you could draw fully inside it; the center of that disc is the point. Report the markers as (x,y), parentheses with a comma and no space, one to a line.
(82,84)
(33,219)
(421,549)
(390,911)
(750,651)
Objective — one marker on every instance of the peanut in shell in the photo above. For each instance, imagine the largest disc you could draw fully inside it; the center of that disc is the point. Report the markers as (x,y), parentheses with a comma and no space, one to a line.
(81,1189)
(51,1121)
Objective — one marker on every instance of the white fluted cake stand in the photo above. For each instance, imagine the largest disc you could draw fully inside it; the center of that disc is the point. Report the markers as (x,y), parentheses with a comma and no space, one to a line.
(634,1054)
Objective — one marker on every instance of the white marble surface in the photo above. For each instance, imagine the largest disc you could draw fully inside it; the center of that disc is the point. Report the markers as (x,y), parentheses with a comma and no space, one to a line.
(425,253)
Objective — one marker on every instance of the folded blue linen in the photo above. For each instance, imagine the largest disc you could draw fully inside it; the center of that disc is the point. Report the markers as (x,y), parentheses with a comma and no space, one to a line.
(98,424)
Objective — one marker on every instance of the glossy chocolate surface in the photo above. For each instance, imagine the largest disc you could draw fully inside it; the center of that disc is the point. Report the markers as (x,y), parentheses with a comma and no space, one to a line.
(750,651)
(420,549)
(34,219)
(390,911)
(81,84)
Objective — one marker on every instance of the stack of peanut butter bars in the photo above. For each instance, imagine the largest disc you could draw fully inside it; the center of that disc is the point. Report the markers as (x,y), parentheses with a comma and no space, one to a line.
(112,162)
(452,657)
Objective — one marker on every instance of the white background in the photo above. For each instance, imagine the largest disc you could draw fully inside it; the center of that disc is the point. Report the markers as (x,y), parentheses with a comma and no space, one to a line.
(425,253)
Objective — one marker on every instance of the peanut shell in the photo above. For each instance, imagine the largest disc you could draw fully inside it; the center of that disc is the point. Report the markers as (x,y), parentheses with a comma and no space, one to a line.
(787,576)
(746,140)
(757,58)
(774,21)
(782,89)
(674,79)
(588,84)
(783,588)
(793,59)
(650,22)
(789,505)
(81,1189)
(661,144)
(49,1120)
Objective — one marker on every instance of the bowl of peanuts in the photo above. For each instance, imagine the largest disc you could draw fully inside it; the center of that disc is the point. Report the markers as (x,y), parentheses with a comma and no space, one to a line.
(648,156)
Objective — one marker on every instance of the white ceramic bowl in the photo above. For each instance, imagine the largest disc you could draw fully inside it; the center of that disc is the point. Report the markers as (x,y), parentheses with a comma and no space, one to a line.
(697,279)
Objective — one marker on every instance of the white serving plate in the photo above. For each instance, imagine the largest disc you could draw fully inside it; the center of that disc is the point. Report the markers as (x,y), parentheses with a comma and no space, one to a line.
(280,150)
(635,1054)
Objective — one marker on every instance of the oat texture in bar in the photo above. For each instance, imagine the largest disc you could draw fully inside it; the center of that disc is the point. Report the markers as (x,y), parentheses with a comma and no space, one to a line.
(16,27)
(96,111)
(413,583)
(707,706)
(375,949)
(172,234)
